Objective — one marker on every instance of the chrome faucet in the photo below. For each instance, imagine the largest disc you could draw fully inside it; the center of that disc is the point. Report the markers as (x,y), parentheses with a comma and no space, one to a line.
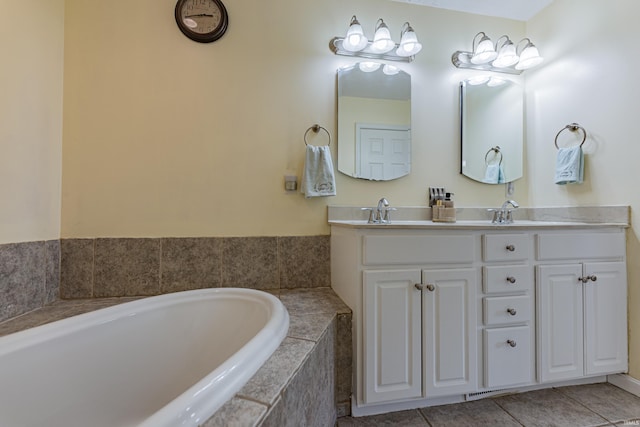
(380,214)
(381,210)
(504,215)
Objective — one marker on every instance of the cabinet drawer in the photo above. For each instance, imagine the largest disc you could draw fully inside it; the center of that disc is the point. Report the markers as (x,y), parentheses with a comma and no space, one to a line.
(555,246)
(405,249)
(507,356)
(508,278)
(505,247)
(506,310)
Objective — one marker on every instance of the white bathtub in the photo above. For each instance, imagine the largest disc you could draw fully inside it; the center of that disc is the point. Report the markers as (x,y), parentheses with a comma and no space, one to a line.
(170,360)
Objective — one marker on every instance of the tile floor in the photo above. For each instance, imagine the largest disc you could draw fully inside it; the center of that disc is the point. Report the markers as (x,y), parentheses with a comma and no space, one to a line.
(574,406)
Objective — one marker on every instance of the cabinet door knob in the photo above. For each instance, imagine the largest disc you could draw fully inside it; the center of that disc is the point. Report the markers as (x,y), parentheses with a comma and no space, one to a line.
(512,343)
(430,287)
(419,286)
(511,311)
(585,279)
(511,279)
(511,248)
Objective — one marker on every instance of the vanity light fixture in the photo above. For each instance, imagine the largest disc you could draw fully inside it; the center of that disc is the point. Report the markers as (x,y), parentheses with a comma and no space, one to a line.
(355,43)
(503,57)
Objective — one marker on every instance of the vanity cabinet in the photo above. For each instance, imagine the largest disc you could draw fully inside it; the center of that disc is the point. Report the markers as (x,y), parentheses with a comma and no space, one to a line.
(582,305)
(445,311)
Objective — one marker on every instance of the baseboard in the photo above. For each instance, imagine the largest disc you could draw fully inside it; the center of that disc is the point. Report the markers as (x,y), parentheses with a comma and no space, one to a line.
(625,382)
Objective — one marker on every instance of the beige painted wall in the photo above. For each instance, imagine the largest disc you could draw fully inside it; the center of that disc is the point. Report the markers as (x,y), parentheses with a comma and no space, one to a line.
(590,77)
(31,42)
(167,137)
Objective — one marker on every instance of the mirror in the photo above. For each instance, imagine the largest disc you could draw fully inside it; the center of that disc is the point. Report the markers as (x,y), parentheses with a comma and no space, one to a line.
(374,121)
(492,129)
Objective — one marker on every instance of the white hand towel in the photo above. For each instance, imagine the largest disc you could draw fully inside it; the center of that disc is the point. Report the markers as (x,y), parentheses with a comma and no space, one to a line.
(318,178)
(569,166)
(494,174)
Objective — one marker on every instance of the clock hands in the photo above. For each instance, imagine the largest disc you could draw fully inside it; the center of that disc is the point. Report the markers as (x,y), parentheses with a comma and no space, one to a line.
(198,15)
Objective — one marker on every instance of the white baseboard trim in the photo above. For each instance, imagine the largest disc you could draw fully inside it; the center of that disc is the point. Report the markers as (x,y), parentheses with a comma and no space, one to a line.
(625,382)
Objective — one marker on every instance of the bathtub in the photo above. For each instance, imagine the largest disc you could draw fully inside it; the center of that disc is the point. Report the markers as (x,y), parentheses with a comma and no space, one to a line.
(169,360)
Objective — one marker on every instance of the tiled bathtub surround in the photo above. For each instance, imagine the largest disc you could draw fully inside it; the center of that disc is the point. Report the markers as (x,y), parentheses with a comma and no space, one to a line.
(29,276)
(306,382)
(115,267)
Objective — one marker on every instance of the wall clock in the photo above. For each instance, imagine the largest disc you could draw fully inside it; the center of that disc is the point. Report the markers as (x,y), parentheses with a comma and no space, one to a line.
(204,21)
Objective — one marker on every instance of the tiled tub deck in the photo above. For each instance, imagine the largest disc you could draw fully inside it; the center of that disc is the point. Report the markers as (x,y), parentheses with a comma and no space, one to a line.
(307,381)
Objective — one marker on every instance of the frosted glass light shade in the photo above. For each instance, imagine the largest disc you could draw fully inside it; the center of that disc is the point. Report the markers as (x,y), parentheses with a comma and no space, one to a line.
(529,58)
(409,44)
(484,52)
(354,40)
(506,56)
(382,42)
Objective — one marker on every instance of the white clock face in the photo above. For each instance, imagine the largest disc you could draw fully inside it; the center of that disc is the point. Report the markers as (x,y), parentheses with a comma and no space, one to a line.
(201,16)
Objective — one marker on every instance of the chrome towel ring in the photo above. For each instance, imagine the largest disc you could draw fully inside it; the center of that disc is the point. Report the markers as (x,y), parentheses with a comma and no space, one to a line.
(496,151)
(316,128)
(573,127)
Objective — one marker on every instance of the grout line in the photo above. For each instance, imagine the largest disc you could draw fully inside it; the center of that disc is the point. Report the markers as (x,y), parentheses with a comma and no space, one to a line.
(495,400)
(583,405)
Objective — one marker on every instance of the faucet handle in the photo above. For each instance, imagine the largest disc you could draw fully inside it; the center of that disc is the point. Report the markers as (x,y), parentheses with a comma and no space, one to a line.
(496,215)
(371,219)
(387,214)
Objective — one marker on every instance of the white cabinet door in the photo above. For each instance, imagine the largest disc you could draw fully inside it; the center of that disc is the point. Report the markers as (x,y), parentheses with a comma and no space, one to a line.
(605,301)
(582,324)
(560,322)
(449,330)
(507,356)
(392,346)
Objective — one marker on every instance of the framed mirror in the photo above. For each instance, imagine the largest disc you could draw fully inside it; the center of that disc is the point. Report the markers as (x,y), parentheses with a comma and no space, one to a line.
(492,130)
(374,121)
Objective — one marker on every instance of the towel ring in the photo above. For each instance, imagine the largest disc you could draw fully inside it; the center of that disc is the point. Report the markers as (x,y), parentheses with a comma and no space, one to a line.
(316,128)
(497,151)
(573,127)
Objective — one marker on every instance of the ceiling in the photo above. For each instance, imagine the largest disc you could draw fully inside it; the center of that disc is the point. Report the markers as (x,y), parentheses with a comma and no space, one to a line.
(520,10)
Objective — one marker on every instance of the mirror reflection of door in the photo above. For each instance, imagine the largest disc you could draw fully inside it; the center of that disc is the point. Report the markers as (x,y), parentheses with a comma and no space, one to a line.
(380,97)
(382,151)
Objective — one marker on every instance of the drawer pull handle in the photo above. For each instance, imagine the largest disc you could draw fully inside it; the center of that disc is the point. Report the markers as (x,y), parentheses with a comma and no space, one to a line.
(511,248)
(511,311)
(512,343)
(511,279)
